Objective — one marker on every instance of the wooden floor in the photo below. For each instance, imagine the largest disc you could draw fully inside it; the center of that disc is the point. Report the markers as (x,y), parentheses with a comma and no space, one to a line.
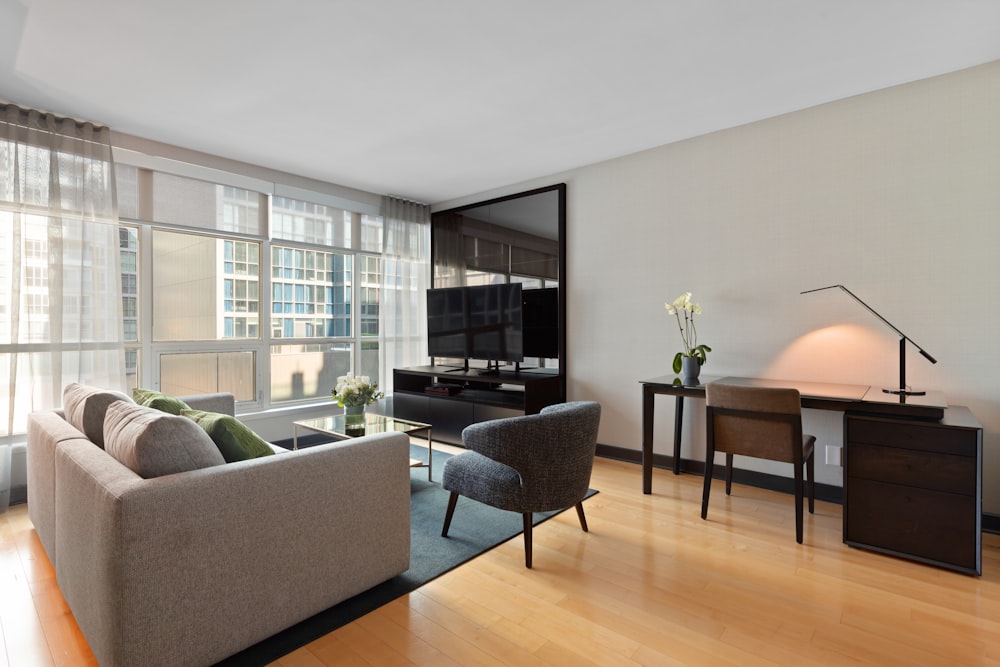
(651,584)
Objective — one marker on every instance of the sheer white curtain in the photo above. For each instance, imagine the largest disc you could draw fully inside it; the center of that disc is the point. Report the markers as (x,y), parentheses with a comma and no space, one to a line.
(60,306)
(406,250)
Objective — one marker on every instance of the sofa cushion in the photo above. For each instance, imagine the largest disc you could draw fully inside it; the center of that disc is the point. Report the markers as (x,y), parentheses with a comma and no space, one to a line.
(152,443)
(85,406)
(159,401)
(235,441)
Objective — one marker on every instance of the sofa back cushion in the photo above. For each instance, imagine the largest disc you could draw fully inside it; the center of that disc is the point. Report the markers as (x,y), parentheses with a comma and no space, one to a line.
(85,407)
(152,443)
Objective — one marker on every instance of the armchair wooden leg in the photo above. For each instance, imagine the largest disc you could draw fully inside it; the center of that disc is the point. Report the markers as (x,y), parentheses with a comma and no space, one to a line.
(583,518)
(709,464)
(527,539)
(452,500)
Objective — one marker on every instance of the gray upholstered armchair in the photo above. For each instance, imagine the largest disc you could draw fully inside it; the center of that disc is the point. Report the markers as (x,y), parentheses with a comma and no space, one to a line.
(535,463)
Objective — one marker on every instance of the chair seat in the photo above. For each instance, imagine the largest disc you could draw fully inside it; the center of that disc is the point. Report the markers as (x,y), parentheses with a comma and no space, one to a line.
(481,478)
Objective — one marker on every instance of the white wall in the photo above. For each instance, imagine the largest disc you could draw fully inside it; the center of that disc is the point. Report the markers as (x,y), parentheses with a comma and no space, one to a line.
(895,194)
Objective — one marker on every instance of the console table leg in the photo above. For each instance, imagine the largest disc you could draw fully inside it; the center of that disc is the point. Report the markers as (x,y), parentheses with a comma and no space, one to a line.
(430,455)
(647,439)
(678,427)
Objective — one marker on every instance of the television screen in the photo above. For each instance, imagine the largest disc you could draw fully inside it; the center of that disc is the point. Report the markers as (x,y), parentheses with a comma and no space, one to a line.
(540,318)
(495,322)
(447,323)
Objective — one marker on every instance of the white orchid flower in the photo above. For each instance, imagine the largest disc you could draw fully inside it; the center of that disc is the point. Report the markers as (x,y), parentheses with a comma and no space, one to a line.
(688,331)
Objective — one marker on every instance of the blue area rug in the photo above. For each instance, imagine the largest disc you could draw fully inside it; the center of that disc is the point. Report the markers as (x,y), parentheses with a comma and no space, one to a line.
(475,529)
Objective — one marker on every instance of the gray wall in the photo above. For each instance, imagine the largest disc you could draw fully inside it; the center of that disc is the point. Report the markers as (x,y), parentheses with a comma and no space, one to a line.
(895,194)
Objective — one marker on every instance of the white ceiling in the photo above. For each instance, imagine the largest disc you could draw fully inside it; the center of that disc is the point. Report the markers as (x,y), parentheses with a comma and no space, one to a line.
(439,99)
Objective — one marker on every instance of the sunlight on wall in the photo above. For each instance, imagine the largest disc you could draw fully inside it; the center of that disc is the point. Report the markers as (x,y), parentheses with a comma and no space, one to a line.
(846,353)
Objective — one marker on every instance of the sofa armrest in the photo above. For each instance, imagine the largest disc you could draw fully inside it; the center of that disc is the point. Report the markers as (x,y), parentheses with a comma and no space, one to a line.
(221,402)
(46,429)
(192,567)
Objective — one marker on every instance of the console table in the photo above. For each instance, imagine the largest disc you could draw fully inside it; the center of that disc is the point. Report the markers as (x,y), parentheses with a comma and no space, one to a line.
(453,398)
(912,466)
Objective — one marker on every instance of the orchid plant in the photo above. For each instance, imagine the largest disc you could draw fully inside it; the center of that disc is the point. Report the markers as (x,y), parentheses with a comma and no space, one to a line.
(356,391)
(684,307)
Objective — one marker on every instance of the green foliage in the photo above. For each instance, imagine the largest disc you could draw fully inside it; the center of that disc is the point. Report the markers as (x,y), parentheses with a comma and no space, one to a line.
(700,352)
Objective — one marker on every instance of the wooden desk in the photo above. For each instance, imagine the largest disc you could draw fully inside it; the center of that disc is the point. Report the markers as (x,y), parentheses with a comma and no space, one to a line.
(853,398)
(912,466)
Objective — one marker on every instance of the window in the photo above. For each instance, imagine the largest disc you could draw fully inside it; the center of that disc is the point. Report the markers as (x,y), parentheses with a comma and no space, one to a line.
(186,373)
(295,220)
(272,320)
(307,371)
(188,202)
(198,294)
(128,254)
(60,302)
(311,293)
(371,279)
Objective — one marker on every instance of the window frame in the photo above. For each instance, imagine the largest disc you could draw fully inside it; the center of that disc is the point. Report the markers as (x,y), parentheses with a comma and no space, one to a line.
(150,352)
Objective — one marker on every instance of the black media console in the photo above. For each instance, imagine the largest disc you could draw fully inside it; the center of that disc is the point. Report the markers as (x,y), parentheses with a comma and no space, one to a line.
(450,399)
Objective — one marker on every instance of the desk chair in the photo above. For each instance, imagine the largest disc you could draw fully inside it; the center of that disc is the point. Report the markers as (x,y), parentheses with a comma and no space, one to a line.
(764,423)
(534,463)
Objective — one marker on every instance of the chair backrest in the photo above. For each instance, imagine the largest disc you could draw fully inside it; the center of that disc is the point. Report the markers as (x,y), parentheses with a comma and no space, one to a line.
(553,451)
(763,422)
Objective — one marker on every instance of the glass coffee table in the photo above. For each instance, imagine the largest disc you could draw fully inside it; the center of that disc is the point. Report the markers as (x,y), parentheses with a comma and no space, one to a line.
(342,427)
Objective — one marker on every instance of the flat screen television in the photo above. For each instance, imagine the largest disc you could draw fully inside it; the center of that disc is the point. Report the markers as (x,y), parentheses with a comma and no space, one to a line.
(447,323)
(540,322)
(495,322)
(476,322)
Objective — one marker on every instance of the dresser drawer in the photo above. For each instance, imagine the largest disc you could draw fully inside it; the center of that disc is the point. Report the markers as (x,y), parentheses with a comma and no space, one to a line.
(936,526)
(927,470)
(930,437)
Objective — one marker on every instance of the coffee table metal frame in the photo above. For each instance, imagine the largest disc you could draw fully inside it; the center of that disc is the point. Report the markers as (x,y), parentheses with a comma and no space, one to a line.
(338,427)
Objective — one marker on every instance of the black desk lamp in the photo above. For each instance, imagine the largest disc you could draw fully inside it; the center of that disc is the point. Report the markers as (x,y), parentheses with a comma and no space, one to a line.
(902,391)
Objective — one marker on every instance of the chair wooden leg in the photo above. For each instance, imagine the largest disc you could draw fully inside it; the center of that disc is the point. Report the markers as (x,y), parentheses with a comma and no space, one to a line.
(583,518)
(527,539)
(452,500)
(729,474)
(798,504)
(811,476)
(709,464)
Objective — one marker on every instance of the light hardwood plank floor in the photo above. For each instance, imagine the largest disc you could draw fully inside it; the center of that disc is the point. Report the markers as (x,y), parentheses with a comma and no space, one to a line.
(651,584)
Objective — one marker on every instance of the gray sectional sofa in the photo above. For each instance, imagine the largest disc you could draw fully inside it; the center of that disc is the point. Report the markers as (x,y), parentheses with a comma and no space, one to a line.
(192,567)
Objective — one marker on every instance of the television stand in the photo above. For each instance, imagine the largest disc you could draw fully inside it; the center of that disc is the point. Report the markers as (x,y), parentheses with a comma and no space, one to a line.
(499,394)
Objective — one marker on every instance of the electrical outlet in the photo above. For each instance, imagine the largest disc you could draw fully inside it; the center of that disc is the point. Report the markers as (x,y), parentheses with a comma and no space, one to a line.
(833,455)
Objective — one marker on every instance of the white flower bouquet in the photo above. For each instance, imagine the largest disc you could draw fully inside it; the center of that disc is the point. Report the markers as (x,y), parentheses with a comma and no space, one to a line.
(356,391)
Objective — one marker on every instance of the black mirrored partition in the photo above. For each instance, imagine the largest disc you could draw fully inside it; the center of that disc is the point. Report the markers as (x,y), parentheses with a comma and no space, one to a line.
(518,238)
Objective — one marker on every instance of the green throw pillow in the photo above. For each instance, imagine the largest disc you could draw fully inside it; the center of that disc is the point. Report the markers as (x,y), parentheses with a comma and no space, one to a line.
(158,401)
(235,441)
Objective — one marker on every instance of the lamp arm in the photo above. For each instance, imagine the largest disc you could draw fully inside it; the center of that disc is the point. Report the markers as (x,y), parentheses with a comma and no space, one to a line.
(874,312)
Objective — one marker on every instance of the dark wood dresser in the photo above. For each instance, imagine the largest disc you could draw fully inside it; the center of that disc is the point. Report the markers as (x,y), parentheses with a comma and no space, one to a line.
(913,489)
